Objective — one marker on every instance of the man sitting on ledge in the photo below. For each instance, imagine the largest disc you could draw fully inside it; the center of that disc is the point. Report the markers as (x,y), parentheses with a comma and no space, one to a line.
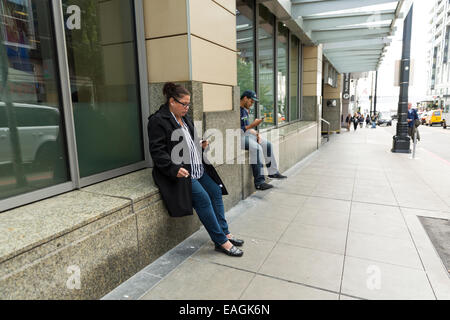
(252,141)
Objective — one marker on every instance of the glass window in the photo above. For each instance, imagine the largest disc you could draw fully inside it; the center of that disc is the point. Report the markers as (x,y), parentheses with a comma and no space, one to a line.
(266,49)
(32,141)
(282,72)
(245,47)
(294,80)
(104,85)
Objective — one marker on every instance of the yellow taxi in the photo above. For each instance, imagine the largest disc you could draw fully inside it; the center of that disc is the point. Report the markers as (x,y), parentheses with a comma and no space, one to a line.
(434,117)
(268,118)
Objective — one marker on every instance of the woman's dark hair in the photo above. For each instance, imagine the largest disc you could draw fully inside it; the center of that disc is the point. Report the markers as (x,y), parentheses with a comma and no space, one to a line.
(172,90)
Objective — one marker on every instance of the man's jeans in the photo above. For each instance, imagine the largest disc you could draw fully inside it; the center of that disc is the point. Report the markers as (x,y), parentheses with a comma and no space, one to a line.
(207,202)
(249,142)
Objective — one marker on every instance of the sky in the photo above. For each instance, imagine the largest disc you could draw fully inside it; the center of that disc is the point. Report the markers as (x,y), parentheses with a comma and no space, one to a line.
(388,95)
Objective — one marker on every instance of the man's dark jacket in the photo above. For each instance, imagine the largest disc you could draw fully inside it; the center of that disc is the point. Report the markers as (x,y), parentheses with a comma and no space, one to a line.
(176,192)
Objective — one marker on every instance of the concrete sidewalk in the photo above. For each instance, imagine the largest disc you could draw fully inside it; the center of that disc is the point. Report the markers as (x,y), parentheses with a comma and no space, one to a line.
(344,225)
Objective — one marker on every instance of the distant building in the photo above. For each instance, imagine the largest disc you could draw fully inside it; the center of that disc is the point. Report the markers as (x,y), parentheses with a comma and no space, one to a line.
(438,54)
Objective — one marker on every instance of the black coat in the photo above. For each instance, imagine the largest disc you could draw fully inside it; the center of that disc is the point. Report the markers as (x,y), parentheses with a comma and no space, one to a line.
(176,192)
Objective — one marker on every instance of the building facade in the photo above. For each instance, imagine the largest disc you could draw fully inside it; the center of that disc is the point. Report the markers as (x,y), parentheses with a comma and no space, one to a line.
(438,55)
(79,80)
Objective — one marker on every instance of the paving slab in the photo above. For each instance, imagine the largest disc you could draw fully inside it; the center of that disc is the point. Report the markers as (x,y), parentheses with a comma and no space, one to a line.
(259,228)
(256,252)
(267,288)
(273,211)
(380,281)
(326,204)
(316,237)
(306,266)
(317,217)
(197,280)
(400,252)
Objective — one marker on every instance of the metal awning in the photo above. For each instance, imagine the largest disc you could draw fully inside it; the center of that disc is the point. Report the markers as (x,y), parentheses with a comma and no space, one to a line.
(354,33)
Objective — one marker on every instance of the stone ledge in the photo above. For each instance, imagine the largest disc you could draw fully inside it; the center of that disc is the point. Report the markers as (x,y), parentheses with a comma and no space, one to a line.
(296,127)
(138,187)
(33,225)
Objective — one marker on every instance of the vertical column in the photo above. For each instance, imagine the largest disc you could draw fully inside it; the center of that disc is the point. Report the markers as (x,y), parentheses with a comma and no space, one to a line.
(193,43)
(312,86)
(167,43)
(332,105)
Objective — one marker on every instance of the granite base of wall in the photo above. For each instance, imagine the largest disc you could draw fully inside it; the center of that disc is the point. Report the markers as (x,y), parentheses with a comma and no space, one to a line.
(332,115)
(297,146)
(158,232)
(309,108)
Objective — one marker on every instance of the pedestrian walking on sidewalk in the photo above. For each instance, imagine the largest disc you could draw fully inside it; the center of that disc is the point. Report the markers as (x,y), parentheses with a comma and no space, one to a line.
(348,121)
(361,121)
(413,122)
(355,120)
(184,179)
(367,121)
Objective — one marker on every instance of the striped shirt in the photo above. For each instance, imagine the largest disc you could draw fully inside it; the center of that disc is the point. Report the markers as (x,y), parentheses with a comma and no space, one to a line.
(194,153)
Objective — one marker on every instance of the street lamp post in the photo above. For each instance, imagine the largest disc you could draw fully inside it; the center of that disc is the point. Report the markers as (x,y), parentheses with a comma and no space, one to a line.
(402,142)
(375,94)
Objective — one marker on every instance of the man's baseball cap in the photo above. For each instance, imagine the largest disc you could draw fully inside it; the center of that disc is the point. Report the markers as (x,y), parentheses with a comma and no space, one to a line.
(250,94)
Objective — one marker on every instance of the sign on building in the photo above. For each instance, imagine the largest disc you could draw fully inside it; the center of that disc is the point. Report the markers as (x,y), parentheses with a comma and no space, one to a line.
(346,91)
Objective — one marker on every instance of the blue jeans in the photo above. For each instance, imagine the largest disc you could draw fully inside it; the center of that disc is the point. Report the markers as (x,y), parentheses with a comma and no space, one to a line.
(249,142)
(207,202)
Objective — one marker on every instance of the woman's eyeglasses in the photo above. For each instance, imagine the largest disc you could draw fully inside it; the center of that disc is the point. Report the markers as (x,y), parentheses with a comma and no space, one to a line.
(186,105)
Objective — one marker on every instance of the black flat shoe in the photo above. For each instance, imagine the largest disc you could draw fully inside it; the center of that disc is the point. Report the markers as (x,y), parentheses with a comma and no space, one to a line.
(277,176)
(236,242)
(233,252)
(264,186)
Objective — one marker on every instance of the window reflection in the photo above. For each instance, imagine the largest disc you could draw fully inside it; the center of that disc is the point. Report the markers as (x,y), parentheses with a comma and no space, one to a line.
(104,85)
(294,79)
(245,47)
(266,66)
(32,148)
(282,72)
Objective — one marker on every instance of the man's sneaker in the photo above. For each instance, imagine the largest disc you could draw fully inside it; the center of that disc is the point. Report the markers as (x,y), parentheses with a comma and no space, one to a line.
(264,186)
(277,176)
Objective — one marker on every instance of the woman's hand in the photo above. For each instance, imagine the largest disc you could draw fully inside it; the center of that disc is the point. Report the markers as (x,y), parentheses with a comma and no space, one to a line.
(183,173)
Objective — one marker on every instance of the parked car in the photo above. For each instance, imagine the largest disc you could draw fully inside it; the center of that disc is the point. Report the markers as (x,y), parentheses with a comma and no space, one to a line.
(384,119)
(419,114)
(38,129)
(423,117)
(434,117)
(268,118)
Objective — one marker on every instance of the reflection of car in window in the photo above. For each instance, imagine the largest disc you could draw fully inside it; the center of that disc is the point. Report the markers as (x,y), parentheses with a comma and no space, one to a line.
(38,129)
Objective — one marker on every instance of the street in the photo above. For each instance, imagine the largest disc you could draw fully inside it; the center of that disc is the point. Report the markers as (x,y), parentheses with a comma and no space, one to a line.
(435,140)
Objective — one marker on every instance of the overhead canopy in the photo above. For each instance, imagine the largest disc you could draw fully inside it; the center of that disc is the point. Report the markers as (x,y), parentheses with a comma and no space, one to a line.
(354,33)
